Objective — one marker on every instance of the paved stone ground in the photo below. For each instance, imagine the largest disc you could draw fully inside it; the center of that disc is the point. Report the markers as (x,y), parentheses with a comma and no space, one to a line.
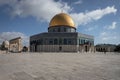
(61,66)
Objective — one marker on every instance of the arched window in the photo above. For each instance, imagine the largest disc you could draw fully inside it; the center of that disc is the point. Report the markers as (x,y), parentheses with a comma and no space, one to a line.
(64,29)
(50,41)
(55,41)
(69,41)
(65,41)
(60,41)
(58,29)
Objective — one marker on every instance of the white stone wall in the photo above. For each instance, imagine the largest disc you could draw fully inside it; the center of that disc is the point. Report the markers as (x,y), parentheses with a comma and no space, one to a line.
(89,48)
(64,48)
(15,45)
(54,48)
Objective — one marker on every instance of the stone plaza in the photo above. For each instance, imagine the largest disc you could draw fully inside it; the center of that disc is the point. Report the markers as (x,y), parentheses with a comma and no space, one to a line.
(62,66)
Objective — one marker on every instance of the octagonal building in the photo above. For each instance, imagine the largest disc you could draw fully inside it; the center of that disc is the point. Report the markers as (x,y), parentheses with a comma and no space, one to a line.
(61,37)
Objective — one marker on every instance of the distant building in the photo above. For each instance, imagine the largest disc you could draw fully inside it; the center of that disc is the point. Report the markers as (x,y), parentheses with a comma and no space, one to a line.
(61,37)
(15,45)
(105,47)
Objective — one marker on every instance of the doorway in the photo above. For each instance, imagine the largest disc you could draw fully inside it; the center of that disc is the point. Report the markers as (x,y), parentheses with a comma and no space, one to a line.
(60,48)
(86,49)
(35,48)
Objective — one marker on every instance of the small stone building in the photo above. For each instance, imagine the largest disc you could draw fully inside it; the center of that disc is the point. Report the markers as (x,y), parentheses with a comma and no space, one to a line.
(105,47)
(15,45)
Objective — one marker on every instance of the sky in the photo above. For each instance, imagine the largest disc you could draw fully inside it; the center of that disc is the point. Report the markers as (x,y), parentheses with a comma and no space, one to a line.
(23,18)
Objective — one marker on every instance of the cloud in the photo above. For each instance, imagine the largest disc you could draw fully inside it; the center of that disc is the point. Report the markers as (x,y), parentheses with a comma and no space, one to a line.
(107,37)
(84,18)
(44,10)
(41,9)
(78,2)
(89,28)
(12,35)
(113,26)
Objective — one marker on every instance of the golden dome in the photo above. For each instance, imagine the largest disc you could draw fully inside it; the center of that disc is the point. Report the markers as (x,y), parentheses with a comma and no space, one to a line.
(62,19)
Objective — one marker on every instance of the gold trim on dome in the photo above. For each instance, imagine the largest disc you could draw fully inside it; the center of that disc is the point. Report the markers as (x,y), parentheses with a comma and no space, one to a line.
(62,19)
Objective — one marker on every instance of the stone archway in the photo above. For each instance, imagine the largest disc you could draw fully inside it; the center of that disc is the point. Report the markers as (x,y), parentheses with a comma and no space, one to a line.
(60,48)
(86,48)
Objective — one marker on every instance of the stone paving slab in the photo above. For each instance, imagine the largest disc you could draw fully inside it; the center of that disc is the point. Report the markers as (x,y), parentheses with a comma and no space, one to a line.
(21,76)
(59,66)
